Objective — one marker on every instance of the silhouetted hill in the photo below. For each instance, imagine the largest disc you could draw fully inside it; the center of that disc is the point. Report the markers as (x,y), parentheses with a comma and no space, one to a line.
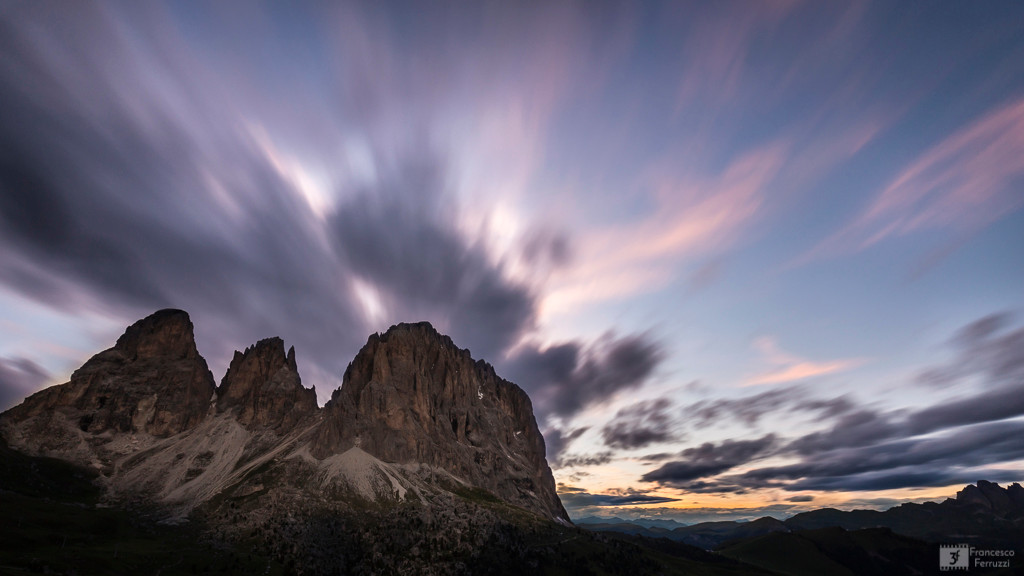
(835,551)
(985,513)
(982,514)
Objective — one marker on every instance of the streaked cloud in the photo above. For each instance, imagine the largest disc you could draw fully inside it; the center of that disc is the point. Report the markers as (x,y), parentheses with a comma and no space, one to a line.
(710,459)
(780,402)
(954,440)
(965,182)
(641,424)
(691,217)
(790,368)
(575,497)
(18,378)
(566,378)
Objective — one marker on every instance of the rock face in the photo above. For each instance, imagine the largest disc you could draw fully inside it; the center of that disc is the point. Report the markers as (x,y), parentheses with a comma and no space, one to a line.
(264,385)
(412,396)
(152,380)
(415,418)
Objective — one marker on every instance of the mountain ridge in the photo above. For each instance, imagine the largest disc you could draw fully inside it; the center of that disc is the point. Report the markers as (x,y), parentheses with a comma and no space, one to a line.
(983,512)
(147,416)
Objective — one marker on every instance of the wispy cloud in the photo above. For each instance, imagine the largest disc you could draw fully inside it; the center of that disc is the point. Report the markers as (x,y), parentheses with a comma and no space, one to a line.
(19,377)
(954,441)
(789,368)
(964,183)
(716,53)
(692,216)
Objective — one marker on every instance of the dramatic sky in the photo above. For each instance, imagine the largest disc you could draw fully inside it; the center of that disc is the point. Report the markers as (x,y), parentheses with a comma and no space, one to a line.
(746,258)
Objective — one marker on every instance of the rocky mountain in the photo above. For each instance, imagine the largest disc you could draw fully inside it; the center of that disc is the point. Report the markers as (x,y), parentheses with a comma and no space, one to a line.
(263,386)
(415,415)
(152,381)
(411,395)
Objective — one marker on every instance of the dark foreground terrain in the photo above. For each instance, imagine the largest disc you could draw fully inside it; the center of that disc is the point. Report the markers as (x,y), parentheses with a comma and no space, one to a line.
(54,522)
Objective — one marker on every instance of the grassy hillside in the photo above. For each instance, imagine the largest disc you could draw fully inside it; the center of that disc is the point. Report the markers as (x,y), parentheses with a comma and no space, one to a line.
(876,551)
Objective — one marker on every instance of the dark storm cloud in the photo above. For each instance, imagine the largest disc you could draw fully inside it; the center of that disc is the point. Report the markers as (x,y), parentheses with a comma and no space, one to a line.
(640,425)
(713,486)
(402,238)
(830,408)
(906,477)
(656,457)
(958,439)
(983,347)
(710,459)
(581,460)
(574,498)
(128,191)
(145,163)
(750,409)
(19,377)
(569,377)
(893,461)
(557,440)
(999,404)
(870,451)
(859,428)
(545,248)
(865,450)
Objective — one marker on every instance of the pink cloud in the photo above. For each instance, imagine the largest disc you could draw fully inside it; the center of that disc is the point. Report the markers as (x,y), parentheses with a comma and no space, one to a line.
(965,182)
(787,367)
(692,217)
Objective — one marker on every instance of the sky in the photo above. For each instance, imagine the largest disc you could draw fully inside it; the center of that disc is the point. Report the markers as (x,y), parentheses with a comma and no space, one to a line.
(747,258)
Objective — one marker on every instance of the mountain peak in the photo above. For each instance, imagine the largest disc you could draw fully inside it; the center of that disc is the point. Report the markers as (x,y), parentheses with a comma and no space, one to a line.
(412,396)
(418,334)
(152,380)
(166,333)
(264,384)
(992,496)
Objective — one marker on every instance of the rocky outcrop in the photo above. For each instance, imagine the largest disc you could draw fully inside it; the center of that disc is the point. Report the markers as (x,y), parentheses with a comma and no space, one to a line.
(415,416)
(153,380)
(412,396)
(263,384)
(992,497)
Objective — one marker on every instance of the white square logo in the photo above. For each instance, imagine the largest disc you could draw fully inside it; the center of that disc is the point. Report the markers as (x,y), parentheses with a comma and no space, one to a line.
(954,557)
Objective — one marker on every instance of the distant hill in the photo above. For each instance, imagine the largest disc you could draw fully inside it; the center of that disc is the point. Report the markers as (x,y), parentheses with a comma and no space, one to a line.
(982,514)
(903,540)
(835,551)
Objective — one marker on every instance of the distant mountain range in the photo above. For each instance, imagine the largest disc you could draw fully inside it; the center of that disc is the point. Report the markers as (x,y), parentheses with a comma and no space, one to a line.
(901,540)
(982,513)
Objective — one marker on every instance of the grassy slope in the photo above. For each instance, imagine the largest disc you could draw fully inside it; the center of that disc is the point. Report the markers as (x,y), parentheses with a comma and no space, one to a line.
(875,551)
(51,522)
